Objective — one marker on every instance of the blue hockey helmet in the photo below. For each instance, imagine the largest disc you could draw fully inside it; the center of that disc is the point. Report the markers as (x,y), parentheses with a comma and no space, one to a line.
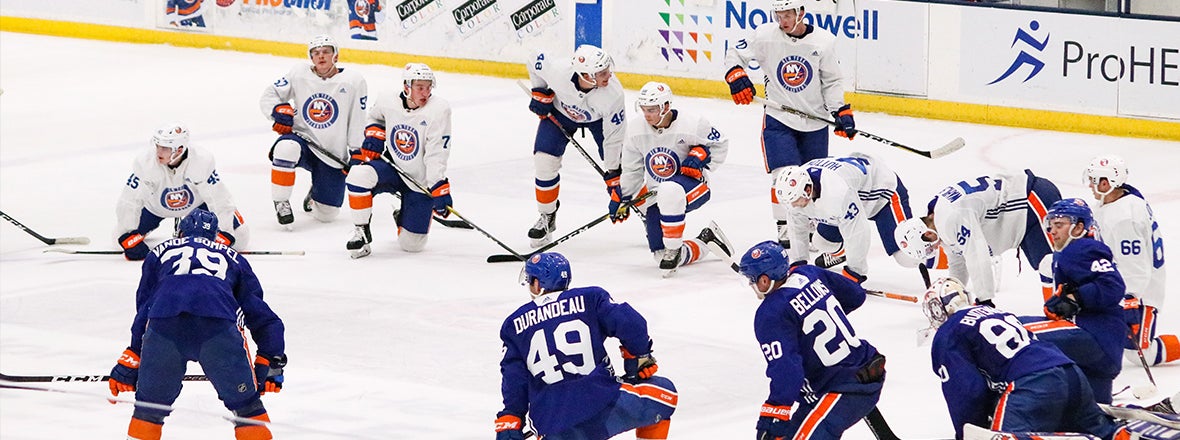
(1075,209)
(199,223)
(765,258)
(550,268)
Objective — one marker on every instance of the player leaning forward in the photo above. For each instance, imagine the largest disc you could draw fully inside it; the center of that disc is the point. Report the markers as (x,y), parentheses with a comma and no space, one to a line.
(671,152)
(314,108)
(171,181)
(574,93)
(411,134)
(556,370)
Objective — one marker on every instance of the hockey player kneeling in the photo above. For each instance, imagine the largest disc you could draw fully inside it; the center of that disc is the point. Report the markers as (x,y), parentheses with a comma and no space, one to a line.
(568,389)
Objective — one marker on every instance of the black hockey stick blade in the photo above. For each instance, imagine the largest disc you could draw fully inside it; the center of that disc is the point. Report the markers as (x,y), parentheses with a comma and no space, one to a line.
(457,224)
(44,239)
(105,252)
(90,378)
(877,424)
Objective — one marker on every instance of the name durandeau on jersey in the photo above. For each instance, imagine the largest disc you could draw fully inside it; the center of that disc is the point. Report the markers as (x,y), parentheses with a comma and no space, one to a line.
(561,307)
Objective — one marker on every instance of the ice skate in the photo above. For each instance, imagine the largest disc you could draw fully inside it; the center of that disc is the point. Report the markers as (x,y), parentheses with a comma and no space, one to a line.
(670,261)
(358,245)
(307,202)
(716,240)
(827,260)
(542,232)
(284,213)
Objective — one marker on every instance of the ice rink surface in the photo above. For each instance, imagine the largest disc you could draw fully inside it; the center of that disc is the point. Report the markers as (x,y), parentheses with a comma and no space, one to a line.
(405,346)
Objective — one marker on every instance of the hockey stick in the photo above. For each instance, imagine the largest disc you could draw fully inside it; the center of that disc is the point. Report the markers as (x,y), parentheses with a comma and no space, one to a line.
(951,147)
(458,224)
(89,252)
(1126,413)
(44,239)
(66,378)
(1144,391)
(501,258)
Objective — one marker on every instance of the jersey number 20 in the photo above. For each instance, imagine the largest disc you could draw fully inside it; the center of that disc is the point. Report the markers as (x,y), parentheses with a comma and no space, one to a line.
(541,362)
(835,325)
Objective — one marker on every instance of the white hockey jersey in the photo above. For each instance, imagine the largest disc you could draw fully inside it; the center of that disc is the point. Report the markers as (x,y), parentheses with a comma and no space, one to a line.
(977,219)
(328,112)
(652,155)
(1128,227)
(417,140)
(174,192)
(851,189)
(603,103)
(801,73)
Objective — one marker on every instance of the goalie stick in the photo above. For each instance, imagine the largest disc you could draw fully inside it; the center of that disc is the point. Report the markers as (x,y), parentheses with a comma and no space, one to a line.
(67,378)
(1147,390)
(503,258)
(104,252)
(457,224)
(44,239)
(1127,413)
(950,147)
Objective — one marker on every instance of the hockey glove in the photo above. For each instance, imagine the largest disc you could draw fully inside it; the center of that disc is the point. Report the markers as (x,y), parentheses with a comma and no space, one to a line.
(441,192)
(698,158)
(740,86)
(611,178)
(134,249)
(284,116)
(225,238)
(1062,304)
(638,367)
(542,103)
(268,370)
(852,275)
(509,427)
(619,206)
(1133,311)
(873,372)
(845,125)
(125,374)
(773,421)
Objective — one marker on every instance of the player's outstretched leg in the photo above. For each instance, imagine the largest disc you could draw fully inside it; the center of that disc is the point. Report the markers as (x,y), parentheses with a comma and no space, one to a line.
(713,234)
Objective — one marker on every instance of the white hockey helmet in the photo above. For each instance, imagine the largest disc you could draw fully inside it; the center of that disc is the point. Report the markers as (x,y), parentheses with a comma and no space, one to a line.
(588,60)
(945,297)
(417,72)
(908,236)
(653,94)
(173,135)
(321,41)
(785,5)
(791,184)
(1112,168)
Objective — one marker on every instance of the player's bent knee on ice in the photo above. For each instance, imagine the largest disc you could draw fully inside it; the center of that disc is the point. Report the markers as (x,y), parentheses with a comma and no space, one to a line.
(410,241)
(322,212)
(547,165)
(287,150)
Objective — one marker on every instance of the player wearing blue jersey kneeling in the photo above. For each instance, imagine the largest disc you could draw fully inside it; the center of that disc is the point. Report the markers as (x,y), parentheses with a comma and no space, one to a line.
(556,370)
(823,378)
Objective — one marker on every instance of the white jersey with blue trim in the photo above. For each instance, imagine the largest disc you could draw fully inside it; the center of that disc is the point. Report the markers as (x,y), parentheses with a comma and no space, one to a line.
(417,140)
(801,73)
(851,189)
(977,219)
(603,103)
(328,112)
(174,192)
(652,155)
(1129,228)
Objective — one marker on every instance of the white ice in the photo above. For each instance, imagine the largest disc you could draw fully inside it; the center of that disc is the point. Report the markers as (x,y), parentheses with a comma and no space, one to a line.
(405,346)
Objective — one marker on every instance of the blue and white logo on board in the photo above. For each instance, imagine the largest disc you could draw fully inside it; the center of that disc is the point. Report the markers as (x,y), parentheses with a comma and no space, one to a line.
(794,73)
(404,140)
(1024,58)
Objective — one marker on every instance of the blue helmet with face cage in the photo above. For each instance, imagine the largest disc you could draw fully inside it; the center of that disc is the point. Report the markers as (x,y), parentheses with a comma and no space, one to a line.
(199,223)
(765,258)
(550,268)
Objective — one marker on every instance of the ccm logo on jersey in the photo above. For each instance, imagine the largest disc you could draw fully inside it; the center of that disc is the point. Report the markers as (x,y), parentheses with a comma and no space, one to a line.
(320,111)
(794,73)
(176,199)
(662,164)
(404,140)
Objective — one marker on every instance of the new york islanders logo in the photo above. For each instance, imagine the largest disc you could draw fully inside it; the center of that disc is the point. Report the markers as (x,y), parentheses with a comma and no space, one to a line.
(361,8)
(794,73)
(662,163)
(404,140)
(576,114)
(176,199)
(320,111)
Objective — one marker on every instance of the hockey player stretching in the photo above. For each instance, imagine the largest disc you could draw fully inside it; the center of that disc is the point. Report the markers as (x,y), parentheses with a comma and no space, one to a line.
(671,152)
(321,105)
(191,294)
(556,370)
(1127,224)
(575,92)
(412,132)
(172,180)
(814,359)
(802,72)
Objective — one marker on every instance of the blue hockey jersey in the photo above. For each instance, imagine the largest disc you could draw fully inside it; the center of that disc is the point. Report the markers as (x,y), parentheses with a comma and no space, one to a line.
(204,278)
(806,338)
(555,367)
(1087,264)
(981,347)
